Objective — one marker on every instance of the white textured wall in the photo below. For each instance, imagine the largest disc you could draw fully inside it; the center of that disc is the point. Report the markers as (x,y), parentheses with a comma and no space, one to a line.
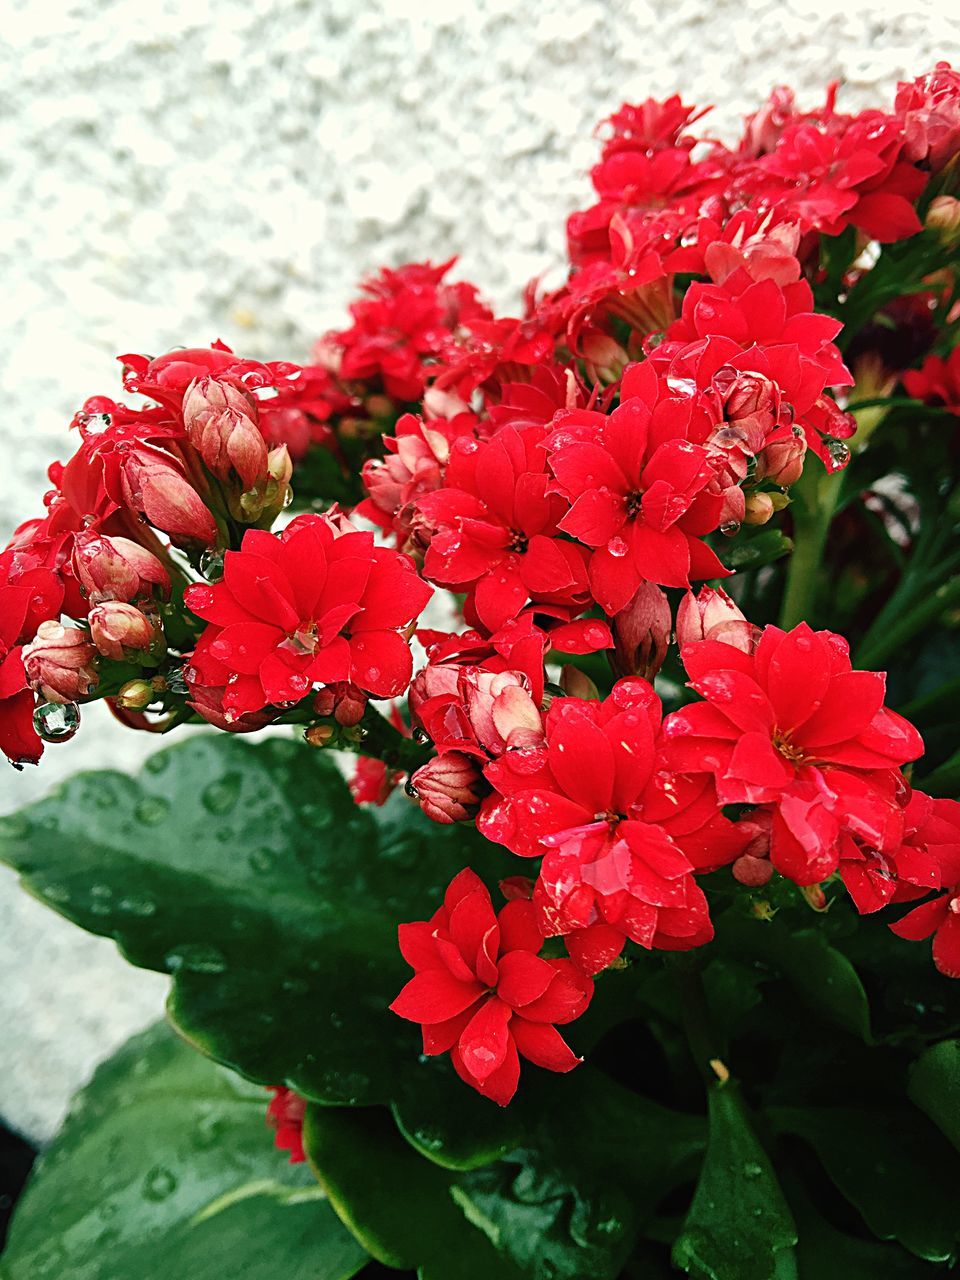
(174,171)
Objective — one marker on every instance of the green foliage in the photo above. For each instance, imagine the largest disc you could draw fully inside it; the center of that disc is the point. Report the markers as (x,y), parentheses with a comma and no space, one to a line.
(165,1167)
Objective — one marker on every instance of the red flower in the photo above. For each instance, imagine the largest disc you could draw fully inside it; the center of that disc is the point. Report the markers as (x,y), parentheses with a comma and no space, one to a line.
(495,530)
(317,605)
(641,493)
(939,833)
(911,863)
(481,991)
(285,1116)
(621,836)
(18,738)
(937,381)
(930,111)
(406,317)
(791,725)
(848,172)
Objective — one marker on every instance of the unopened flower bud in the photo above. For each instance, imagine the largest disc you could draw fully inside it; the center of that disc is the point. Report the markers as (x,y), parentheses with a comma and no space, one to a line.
(320,735)
(263,503)
(576,684)
(449,787)
(153,483)
(345,702)
(115,568)
(712,615)
(758,508)
(135,695)
(815,896)
(781,461)
(943,216)
(753,872)
(221,420)
(605,357)
(59,662)
(641,632)
(120,630)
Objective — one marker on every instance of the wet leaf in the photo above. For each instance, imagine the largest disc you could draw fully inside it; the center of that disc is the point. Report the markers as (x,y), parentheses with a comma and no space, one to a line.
(935,1087)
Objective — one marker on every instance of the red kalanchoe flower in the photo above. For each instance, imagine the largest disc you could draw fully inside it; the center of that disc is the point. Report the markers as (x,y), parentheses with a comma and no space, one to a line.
(18,738)
(285,1117)
(482,992)
(940,916)
(937,381)
(792,726)
(930,111)
(317,605)
(621,836)
(641,493)
(495,530)
(912,862)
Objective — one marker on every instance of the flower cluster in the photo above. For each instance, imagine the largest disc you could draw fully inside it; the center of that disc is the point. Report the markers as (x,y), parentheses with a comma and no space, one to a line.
(569,476)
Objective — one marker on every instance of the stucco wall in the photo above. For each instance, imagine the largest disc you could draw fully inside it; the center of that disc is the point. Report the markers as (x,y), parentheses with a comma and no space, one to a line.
(181,170)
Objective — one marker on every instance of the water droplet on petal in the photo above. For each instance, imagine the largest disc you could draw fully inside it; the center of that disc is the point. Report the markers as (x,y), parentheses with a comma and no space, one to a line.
(617,547)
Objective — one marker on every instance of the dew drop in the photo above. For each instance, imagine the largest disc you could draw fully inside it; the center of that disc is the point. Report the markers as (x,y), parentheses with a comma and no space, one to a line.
(262,861)
(195,957)
(211,565)
(617,547)
(221,796)
(152,810)
(730,528)
(159,1184)
(56,721)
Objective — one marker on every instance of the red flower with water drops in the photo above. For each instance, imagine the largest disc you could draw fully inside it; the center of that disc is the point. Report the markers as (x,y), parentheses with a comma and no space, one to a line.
(483,993)
(789,724)
(911,863)
(495,531)
(285,1117)
(620,836)
(940,834)
(317,605)
(641,494)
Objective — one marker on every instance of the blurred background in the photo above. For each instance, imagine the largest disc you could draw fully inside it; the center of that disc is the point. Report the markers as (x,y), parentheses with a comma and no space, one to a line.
(182,170)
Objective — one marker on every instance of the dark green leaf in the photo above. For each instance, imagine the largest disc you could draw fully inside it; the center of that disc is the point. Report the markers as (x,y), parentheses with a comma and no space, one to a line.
(821,975)
(165,1167)
(249,874)
(935,1087)
(739,1221)
(893,1166)
(752,550)
(400,1206)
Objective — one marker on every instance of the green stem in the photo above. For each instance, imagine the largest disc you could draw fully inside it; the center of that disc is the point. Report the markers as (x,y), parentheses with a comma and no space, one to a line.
(705,1044)
(876,647)
(381,740)
(815,497)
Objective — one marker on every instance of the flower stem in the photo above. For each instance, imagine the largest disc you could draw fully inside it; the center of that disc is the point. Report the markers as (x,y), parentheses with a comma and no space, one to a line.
(706,1047)
(814,501)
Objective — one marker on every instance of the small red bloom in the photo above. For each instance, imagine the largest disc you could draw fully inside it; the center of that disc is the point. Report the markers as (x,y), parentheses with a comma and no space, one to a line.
(792,726)
(18,738)
(495,530)
(317,605)
(285,1116)
(939,835)
(620,835)
(641,493)
(930,111)
(482,992)
(937,381)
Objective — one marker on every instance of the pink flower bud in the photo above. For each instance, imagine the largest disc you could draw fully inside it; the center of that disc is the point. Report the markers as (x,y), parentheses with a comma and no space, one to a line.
(753,872)
(59,662)
(449,787)
(115,568)
(501,711)
(712,615)
(944,216)
(221,420)
(120,630)
(605,356)
(345,702)
(153,483)
(781,461)
(641,632)
(758,508)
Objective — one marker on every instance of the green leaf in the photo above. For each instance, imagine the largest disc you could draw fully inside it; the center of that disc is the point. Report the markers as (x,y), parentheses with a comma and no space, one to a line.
(752,550)
(934,1085)
(165,1167)
(399,1206)
(824,1253)
(892,1165)
(739,1221)
(249,874)
(820,974)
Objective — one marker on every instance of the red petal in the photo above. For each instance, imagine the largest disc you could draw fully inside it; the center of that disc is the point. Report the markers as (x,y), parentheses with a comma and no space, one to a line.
(946,946)
(543,1045)
(380,662)
(798,677)
(596,947)
(501,1085)
(519,930)
(434,996)
(418,945)
(484,1040)
(923,920)
(523,977)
